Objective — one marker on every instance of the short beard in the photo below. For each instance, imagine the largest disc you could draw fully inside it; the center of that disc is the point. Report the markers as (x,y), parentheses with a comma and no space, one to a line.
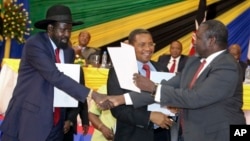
(60,44)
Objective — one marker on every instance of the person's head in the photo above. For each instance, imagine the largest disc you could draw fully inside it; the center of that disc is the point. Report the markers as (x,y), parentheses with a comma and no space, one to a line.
(143,43)
(58,24)
(175,49)
(84,38)
(235,50)
(211,37)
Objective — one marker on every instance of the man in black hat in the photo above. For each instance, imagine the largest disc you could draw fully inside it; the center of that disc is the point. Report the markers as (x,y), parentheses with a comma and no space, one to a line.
(30,115)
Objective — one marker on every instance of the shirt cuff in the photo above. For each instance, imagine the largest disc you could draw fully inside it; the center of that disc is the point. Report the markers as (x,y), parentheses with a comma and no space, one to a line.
(128,100)
(158,94)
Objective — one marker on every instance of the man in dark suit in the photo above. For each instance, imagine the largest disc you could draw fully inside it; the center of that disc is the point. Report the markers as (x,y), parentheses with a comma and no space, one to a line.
(83,50)
(174,61)
(70,124)
(30,115)
(235,50)
(205,96)
(138,124)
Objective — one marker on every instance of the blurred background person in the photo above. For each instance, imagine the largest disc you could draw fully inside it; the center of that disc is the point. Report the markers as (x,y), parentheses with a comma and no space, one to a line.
(83,50)
(235,50)
(174,61)
(103,121)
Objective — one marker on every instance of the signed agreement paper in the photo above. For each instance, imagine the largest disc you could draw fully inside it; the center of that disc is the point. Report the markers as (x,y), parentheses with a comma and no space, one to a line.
(62,99)
(125,65)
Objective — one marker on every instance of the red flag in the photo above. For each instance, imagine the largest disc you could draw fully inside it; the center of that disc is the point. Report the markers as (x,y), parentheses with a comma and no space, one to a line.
(200,17)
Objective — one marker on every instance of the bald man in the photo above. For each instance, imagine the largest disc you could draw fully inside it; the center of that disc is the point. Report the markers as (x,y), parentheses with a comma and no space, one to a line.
(83,50)
(235,50)
(174,61)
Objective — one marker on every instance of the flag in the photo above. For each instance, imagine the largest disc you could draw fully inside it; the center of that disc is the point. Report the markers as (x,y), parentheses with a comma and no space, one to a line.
(200,17)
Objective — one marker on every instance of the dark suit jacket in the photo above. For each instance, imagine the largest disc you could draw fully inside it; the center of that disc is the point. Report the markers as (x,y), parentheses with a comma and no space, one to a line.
(132,124)
(213,104)
(164,60)
(29,116)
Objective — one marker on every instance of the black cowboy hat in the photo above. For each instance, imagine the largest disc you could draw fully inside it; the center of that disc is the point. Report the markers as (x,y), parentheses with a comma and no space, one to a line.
(57,13)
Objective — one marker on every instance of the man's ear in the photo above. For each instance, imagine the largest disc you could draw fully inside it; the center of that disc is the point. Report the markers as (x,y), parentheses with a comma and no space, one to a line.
(212,40)
(50,28)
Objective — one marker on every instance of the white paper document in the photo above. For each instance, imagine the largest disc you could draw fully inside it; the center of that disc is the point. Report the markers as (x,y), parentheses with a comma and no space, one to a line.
(125,65)
(62,99)
(157,108)
(157,77)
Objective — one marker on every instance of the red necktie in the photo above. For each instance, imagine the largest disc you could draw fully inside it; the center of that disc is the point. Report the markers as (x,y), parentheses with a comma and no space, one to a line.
(190,86)
(57,110)
(147,69)
(197,73)
(173,66)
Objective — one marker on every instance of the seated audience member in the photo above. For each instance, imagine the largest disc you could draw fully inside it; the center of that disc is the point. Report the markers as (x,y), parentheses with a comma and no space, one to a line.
(235,50)
(83,50)
(102,120)
(174,61)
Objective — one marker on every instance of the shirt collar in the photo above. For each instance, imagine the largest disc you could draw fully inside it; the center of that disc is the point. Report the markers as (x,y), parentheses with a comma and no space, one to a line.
(177,58)
(211,57)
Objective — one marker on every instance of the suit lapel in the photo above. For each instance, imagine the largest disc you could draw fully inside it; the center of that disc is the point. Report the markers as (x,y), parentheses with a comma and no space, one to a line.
(46,39)
(209,67)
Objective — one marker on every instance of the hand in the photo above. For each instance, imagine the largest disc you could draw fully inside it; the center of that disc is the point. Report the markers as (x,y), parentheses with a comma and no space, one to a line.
(107,132)
(173,109)
(117,100)
(66,126)
(77,50)
(161,120)
(143,83)
(85,129)
(102,101)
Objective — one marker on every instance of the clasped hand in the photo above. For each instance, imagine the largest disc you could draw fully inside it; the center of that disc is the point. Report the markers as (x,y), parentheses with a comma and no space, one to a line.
(102,101)
(143,83)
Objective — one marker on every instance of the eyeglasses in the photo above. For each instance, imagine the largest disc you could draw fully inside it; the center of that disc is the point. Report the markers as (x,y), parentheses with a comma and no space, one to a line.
(143,45)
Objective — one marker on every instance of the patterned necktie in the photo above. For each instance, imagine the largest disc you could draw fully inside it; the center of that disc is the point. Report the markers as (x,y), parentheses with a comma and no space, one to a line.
(147,69)
(57,109)
(173,66)
(197,73)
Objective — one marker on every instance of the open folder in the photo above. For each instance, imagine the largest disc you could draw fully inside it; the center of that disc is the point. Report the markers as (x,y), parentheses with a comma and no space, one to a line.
(157,77)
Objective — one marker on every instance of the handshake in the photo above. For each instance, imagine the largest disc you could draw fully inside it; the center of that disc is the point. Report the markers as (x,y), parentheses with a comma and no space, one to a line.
(105,102)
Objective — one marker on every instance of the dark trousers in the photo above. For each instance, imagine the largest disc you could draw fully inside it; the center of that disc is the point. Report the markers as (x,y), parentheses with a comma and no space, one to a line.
(56,133)
(161,134)
(69,136)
